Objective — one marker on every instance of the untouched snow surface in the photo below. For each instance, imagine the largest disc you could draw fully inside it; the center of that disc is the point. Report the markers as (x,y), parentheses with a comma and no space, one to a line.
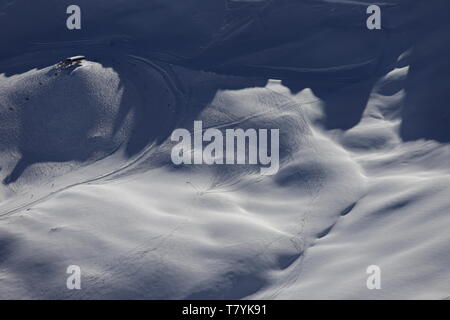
(88,180)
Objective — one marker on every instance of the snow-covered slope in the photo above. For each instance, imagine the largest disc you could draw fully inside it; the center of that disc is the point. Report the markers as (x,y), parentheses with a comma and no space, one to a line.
(88,179)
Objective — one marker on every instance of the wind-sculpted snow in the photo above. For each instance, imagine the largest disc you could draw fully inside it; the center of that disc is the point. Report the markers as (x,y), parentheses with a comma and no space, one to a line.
(85,151)
(203,206)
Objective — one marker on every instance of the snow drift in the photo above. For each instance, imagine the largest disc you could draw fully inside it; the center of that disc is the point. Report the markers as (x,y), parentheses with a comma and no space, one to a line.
(85,150)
